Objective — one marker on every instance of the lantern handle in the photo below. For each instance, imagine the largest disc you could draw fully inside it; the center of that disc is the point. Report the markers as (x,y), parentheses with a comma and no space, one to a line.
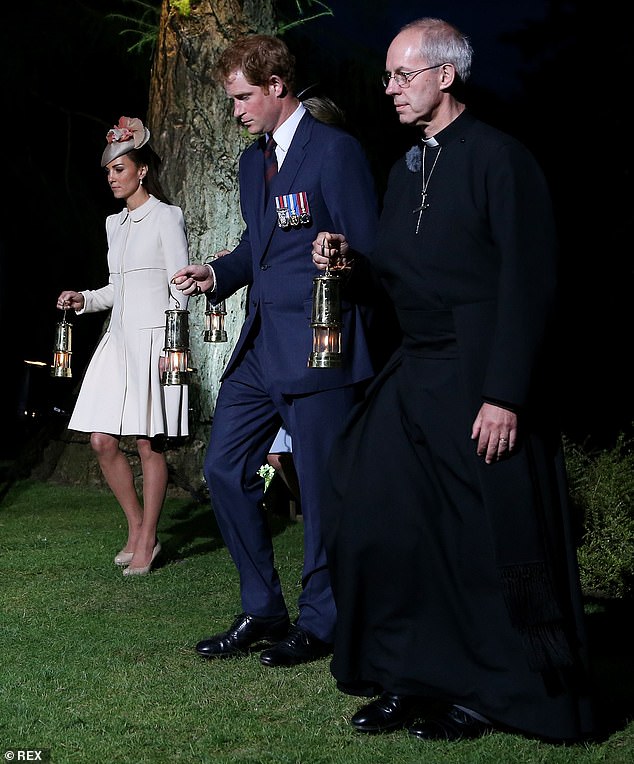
(323,254)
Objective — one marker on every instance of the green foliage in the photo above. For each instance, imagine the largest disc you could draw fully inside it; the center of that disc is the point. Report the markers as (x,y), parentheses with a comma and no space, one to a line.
(304,8)
(145,24)
(184,7)
(602,488)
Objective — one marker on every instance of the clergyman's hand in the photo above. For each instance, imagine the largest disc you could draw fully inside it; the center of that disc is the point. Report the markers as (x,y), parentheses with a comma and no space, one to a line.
(495,430)
(331,250)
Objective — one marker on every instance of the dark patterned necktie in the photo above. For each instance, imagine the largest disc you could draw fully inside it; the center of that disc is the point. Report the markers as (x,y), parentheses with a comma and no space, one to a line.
(270,164)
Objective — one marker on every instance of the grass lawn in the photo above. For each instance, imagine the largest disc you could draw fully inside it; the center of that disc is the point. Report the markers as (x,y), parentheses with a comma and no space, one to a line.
(100,668)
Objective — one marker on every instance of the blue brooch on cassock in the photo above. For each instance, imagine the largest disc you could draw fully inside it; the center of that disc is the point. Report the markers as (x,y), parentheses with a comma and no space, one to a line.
(413,159)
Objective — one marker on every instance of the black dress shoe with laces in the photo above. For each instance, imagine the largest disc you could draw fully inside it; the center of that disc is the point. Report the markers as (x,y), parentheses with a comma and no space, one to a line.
(299,646)
(454,724)
(388,712)
(245,632)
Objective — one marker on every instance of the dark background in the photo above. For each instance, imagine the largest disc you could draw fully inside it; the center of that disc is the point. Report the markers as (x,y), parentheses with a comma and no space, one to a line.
(543,70)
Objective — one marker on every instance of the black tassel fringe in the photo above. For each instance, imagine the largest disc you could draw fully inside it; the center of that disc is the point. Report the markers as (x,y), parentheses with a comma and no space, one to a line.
(534,612)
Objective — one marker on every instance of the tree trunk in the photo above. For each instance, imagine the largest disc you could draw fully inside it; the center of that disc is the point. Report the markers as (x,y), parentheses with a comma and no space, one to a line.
(194,132)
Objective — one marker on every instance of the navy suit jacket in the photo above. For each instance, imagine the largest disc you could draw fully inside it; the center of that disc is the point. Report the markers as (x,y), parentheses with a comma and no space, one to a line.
(330,166)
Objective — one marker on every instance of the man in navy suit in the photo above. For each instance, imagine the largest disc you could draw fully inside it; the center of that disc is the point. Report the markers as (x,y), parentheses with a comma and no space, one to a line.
(323,183)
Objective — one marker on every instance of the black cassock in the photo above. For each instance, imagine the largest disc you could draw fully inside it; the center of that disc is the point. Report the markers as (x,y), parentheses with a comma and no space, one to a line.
(454,579)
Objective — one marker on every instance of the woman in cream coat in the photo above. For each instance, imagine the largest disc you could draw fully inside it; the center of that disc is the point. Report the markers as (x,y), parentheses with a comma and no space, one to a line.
(121,393)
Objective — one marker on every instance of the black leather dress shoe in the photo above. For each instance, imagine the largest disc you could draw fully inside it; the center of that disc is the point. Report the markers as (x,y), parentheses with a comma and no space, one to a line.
(454,724)
(388,712)
(299,646)
(244,633)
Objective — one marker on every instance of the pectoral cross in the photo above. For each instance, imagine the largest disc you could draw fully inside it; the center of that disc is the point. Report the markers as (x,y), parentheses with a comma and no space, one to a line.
(425,183)
(423,206)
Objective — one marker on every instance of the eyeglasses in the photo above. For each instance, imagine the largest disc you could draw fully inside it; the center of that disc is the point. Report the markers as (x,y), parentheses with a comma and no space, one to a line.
(403,79)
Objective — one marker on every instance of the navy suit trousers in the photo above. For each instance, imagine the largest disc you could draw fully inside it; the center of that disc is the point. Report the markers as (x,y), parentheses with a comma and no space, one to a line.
(247,417)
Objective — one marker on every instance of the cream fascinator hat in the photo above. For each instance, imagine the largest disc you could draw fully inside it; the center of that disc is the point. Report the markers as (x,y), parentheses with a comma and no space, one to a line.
(129,134)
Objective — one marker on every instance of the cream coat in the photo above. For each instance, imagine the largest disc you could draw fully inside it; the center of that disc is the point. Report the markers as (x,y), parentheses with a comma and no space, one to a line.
(121,393)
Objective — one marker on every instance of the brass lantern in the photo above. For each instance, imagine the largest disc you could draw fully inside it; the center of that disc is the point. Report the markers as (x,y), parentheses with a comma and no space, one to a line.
(176,371)
(326,321)
(63,349)
(215,321)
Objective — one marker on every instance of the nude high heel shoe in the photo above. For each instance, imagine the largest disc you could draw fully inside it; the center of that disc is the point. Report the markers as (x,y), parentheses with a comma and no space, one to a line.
(144,571)
(123,558)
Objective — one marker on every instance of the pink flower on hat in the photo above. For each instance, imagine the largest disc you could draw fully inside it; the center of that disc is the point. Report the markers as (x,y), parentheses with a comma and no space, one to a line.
(129,128)
(129,134)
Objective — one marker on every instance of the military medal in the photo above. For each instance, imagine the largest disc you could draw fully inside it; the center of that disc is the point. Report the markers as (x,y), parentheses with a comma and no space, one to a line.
(294,205)
(304,214)
(282,212)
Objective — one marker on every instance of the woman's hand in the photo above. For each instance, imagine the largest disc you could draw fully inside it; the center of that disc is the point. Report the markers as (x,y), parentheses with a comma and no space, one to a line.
(70,300)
